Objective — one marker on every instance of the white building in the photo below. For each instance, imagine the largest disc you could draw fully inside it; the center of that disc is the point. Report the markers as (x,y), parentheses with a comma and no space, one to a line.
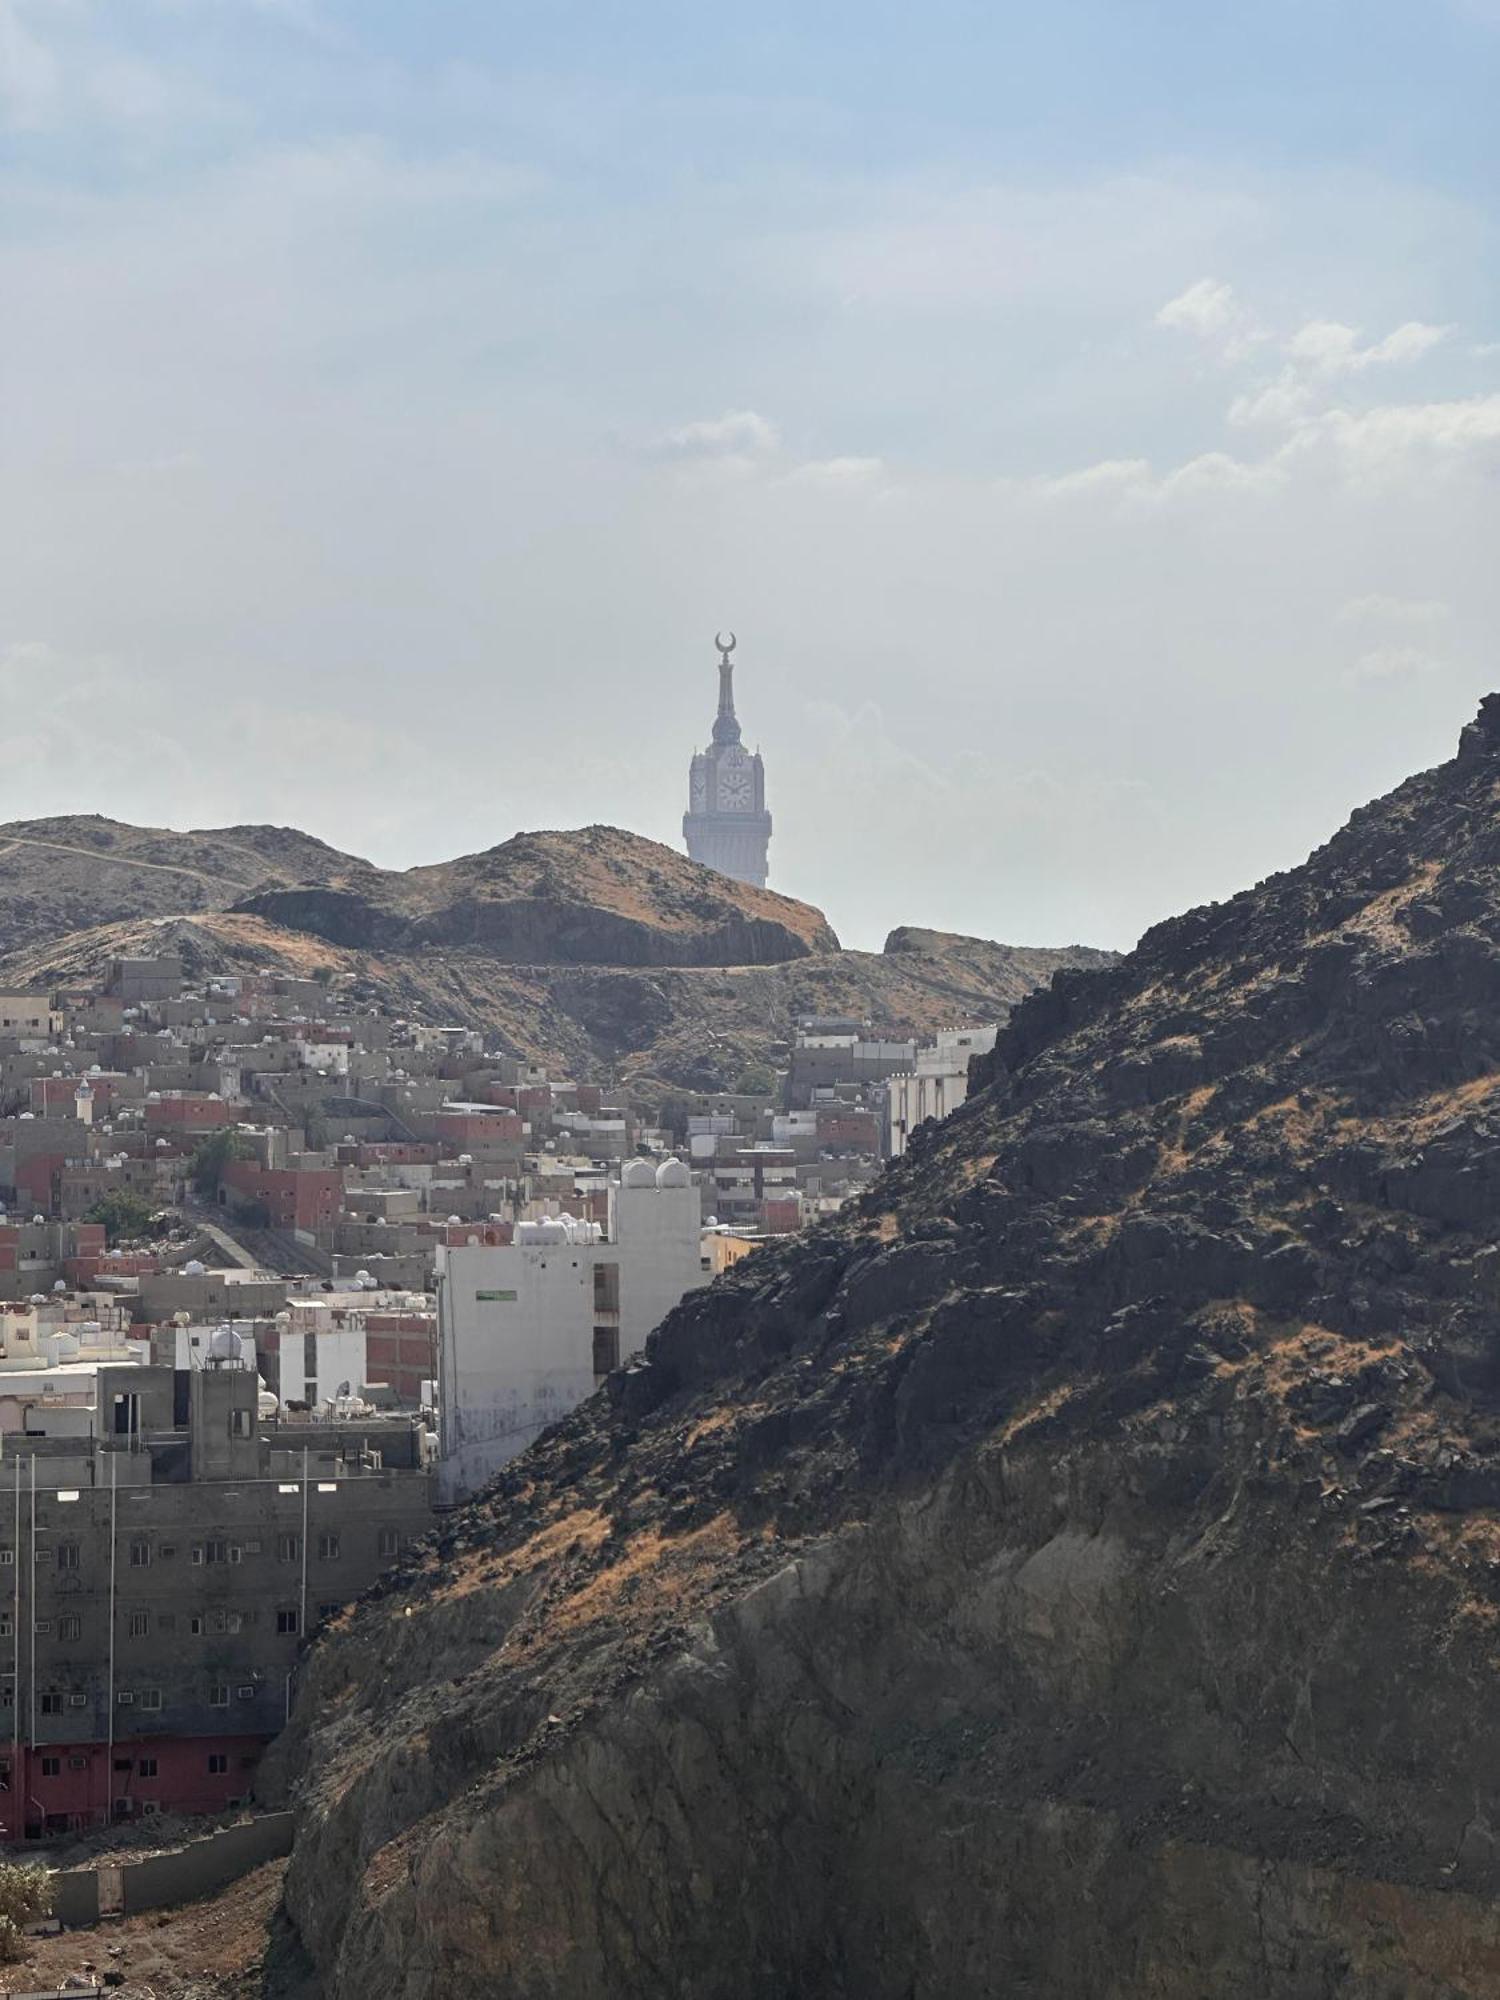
(527,1330)
(937,1084)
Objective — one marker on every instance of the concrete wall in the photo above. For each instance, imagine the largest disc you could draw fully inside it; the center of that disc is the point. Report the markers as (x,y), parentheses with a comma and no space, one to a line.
(207,1865)
(75,1897)
(183,1876)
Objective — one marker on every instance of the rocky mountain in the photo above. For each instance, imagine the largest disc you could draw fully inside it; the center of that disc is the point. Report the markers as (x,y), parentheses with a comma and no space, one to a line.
(597,896)
(593,896)
(1076,1572)
(69,873)
(596,952)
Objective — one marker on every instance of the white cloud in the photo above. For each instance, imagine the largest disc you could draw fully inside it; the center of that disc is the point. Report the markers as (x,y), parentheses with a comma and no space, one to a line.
(1108,479)
(1333,348)
(1390,663)
(1381,609)
(840,473)
(1205,308)
(741,434)
(1278,404)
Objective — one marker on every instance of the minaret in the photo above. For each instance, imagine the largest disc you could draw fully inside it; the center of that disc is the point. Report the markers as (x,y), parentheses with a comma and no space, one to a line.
(726,825)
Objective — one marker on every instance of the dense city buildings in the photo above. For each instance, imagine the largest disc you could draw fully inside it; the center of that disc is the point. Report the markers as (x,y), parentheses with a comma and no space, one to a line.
(283,1275)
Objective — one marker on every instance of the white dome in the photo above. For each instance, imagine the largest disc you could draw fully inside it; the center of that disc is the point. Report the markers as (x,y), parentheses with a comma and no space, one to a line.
(224,1344)
(640,1173)
(193,1268)
(673,1174)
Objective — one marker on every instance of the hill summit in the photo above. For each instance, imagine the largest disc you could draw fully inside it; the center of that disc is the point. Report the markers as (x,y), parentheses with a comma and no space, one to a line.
(1073,1572)
(596,895)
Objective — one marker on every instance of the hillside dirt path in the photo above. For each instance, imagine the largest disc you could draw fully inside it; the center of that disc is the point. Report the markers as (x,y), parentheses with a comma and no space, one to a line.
(98,855)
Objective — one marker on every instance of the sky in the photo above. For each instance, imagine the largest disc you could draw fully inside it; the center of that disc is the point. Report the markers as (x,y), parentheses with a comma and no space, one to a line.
(1086,415)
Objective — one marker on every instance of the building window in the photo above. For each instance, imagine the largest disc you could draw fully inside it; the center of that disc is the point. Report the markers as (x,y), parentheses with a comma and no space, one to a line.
(239,1423)
(150,1697)
(70,1627)
(217,1763)
(7,1626)
(140,1624)
(195,1624)
(327,1611)
(67,1555)
(51,1704)
(140,1554)
(388,1542)
(246,1693)
(286,1621)
(7,1557)
(328,1548)
(218,1694)
(288,1548)
(146,1767)
(51,1767)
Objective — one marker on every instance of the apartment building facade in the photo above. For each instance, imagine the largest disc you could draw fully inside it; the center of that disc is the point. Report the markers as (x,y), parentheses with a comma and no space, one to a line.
(164,1557)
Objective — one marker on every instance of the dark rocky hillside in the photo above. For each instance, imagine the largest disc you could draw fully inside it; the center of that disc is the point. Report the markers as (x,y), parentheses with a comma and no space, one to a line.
(596,896)
(1076,1573)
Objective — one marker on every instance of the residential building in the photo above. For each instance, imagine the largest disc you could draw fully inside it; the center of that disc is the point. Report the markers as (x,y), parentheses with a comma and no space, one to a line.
(166,1547)
(528,1329)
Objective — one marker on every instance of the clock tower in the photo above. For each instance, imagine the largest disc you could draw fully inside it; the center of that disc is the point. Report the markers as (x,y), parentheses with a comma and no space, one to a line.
(726,825)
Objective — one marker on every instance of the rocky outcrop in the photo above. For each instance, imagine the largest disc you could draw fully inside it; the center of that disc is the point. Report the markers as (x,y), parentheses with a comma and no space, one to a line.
(595,897)
(66,874)
(1074,1573)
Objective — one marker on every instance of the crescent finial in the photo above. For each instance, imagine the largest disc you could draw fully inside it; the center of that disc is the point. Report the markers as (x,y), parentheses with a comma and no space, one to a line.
(726,648)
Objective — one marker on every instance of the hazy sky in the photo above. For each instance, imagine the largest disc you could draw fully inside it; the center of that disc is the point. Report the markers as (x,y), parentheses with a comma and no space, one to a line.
(1087,414)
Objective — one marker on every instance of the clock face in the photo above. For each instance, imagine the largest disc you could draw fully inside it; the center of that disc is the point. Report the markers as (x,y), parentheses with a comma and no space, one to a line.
(736,792)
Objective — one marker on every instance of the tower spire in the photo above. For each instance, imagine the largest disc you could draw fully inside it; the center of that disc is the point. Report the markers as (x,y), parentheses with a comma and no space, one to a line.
(726,722)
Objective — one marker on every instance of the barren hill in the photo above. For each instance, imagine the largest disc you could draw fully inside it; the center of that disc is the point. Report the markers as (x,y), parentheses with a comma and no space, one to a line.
(1074,1573)
(65,874)
(594,951)
(597,896)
